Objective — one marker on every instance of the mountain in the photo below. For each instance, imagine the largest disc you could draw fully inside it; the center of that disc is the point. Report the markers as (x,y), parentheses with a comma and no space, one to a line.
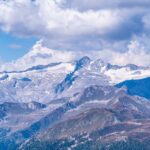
(137,87)
(103,112)
(100,114)
(61,79)
(73,104)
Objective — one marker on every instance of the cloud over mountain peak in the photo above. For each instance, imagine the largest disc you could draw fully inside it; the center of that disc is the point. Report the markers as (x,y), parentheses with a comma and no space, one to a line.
(40,54)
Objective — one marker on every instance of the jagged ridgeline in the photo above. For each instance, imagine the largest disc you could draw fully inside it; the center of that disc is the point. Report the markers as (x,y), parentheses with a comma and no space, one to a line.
(84,104)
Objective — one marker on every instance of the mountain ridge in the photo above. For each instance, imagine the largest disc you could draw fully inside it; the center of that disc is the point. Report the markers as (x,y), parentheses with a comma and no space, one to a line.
(62,100)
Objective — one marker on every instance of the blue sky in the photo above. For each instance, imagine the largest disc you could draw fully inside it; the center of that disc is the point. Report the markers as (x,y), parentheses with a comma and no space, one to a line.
(12,47)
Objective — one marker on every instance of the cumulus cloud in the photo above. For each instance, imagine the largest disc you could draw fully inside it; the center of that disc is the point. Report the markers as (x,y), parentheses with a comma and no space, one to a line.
(46,18)
(134,54)
(42,55)
(63,25)
(103,27)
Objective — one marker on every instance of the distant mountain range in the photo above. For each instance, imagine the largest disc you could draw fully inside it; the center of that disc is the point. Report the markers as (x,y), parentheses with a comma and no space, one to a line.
(75,105)
(140,87)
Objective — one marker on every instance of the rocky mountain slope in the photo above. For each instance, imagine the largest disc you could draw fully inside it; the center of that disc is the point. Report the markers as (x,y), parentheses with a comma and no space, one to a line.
(73,104)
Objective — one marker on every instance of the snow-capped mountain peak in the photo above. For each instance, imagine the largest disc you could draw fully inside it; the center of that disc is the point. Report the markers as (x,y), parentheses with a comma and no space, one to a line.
(51,91)
(60,76)
(98,65)
(84,61)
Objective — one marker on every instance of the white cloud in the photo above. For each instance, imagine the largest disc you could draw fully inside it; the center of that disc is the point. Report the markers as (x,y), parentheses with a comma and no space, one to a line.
(135,54)
(103,25)
(67,27)
(42,55)
(46,18)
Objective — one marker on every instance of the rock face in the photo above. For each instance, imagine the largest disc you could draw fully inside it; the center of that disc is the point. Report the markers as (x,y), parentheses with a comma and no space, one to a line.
(113,108)
(110,117)
(74,105)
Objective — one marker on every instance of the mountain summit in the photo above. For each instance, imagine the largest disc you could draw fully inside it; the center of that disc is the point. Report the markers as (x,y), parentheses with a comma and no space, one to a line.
(80,100)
